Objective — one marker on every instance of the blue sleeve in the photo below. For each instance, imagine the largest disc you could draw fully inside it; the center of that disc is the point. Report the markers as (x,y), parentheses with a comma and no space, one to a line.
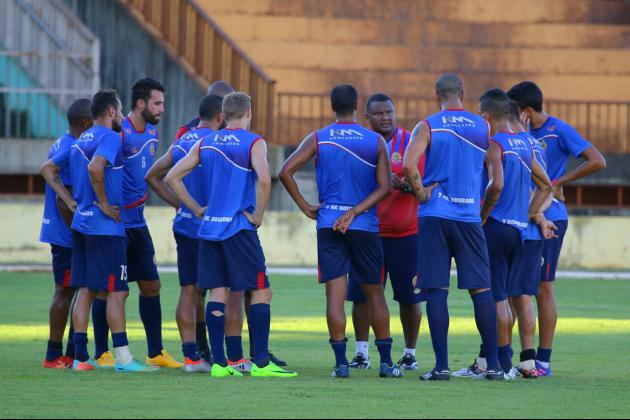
(110,148)
(62,159)
(572,141)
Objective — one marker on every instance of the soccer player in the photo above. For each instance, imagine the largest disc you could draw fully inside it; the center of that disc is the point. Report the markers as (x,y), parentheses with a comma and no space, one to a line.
(399,235)
(449,222)
(238,187)
(353,177)
(98,246)
(219,88)
(561,141)
(186,226)
(140,141)
(56,232)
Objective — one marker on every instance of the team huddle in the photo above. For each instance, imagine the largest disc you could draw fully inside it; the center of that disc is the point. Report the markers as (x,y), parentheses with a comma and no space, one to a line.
(484,189)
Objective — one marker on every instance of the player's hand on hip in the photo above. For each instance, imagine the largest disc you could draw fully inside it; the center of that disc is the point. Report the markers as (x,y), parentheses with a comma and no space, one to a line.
(426,193)
(254,219)
(312,211)
(201,212)
(548,229)
(113,212)
(343,223)
(72,206)
(558,193)
(397,184)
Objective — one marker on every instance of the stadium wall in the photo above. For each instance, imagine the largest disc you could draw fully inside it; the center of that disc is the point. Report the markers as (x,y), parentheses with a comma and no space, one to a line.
(593,243)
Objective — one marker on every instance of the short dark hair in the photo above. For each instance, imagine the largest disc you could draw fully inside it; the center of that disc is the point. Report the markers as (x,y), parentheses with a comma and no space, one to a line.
(102,100)
(142,89)
(495,103)
(78,111)
(527,95)
(515,111)
(377,97)
(449,85)
(210,107)
(220,88)
(344,99)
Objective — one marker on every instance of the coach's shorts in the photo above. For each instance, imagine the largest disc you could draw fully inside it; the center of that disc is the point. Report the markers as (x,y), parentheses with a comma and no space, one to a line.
(99,263)
(356,251)
(400,255)
(525,277)
(551,252)
(504,244)
(61,264)
(187,259)
(141,255)
(440,240)
(237,263)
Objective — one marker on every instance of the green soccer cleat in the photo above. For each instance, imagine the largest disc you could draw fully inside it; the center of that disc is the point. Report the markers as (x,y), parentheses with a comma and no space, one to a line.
(219,371)
(271,371)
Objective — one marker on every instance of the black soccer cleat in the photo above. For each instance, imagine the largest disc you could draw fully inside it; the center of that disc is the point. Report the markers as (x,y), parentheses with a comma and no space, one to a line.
(360,362)
(435,375)
(408,362)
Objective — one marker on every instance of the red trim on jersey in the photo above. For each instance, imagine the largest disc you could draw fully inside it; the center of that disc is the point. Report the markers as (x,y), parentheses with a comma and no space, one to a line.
(383,275)
(502,151)
(137,203)
(507,132)
(111,283)
(67,278)
(134,127)
(261,281)
(454,109)
(430,134)
(346,122)
(234,129)
(180,132)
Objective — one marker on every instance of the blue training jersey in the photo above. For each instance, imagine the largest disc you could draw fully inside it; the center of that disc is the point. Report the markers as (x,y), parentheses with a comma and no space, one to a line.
(54,229)
(139,148)
(97,141)
(533,231)
(347,158)
(455,160)
(230,183)
(186,223)
(560,142)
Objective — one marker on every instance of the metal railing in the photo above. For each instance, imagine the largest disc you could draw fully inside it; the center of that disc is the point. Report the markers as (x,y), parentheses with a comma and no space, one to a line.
(206,52)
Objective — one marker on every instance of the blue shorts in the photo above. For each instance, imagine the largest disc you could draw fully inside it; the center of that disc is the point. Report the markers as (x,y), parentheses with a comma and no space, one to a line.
(187,259)
(505,243)
(525,279)
(237,263)
(141,255)
(551,252)
(61,264)
(99,263)
(439,241)
(400,255)
(357,252)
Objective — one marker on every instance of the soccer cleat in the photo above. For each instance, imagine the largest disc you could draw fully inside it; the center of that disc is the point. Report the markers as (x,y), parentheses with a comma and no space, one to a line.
(106,361)
(360,362)
(243,365)
(387,371)
(219,371)
(164,360)
(207,356)
(469,372)
(543,371)
(200,366)
(408,362)
(512,374)
(436,375)
(341,372)
(78,366)
(135,366)
(276,361)
(271,371)
(60,363)
(528,373)
(494,375)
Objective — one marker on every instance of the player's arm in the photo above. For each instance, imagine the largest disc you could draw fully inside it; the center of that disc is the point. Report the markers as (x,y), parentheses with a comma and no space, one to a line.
(384,181)
(50,172)
(303,155)
(418,143)
(96,170)
(263,185)
(155,178)
(494,164)
(544,189)
(175,180)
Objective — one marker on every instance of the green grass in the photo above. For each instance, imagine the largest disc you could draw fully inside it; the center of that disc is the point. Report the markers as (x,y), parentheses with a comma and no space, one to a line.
(591,365)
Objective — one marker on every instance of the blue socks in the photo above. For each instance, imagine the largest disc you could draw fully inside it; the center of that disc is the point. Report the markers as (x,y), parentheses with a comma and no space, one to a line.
(339,347)
(202,338)
(151,316)
(190,351)
(486,318)
(70,345)
(505,358)
(260,321)
(543,355)
(234,348)
(54,351)
(438,317)
(120,339)
(216,331)
(101,329)
(80,347)
(385,350)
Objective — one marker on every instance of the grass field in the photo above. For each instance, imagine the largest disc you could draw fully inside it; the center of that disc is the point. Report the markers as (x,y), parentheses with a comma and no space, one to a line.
(591,365)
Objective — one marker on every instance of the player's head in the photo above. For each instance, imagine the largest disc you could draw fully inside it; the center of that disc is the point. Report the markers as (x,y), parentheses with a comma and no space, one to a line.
(494,105)
(79,115)
(147,97)
(514,117)
(381,114)
(528,96)
(211,108)
(449,87)
(107,108)
(220,88)
(237,106)
(344,100)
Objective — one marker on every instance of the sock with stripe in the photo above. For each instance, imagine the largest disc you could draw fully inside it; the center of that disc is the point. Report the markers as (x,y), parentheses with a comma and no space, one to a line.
(543,356)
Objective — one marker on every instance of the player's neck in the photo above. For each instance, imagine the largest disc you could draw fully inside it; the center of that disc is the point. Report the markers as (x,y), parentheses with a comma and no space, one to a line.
(452,104)
(346,119)
(209,124)
(500,126)
(75,132)
(388,136)
(516,126)
(138,121)
(241,124)
(103,122)
(539,119)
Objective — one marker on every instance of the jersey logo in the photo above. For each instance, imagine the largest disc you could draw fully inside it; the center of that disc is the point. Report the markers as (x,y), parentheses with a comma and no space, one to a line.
(128,130)
(152,150)
(345,133)
(552,128)
(152,132)
(517,143)
(397,158)
(456,120)
(227,139)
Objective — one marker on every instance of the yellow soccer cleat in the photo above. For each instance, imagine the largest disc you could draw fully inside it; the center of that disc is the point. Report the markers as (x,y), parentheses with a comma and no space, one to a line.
(106,361)
(164,360)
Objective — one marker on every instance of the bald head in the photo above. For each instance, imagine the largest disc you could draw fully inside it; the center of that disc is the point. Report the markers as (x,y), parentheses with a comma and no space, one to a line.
(220,88)
(449,86)
(78,111)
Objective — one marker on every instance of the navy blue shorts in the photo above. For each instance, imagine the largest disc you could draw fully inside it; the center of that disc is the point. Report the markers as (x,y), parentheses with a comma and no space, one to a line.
(551,252)
(505,243)
(400,255)
(356,251)
(141,255)
(439,241)
(525,279)
(99,263)
(61,264)
(187,259)
(237,263)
